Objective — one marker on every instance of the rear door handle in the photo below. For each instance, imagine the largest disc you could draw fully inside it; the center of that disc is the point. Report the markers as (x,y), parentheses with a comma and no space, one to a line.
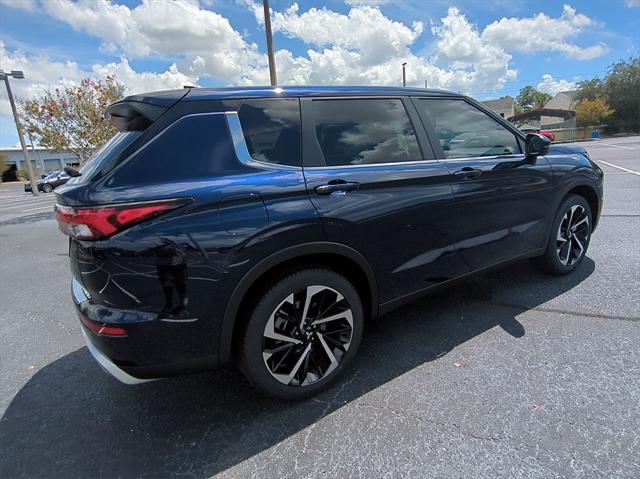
(335,186)
(467,173)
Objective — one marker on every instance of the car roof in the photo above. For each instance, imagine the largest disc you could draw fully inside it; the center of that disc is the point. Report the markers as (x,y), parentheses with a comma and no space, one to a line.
(195,94)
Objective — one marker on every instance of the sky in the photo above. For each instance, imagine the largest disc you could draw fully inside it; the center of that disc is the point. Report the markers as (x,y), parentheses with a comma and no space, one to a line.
(485,49)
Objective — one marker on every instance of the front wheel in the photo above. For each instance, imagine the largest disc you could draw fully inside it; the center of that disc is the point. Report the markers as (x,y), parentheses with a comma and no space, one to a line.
(302,334)
(47,188)
(570,237)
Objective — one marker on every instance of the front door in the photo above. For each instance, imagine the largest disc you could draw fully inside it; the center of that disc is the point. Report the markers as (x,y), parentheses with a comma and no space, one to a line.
(502,197)
(371,176)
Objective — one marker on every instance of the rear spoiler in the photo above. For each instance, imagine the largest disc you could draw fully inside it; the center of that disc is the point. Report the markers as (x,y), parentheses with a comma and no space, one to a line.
(136,113)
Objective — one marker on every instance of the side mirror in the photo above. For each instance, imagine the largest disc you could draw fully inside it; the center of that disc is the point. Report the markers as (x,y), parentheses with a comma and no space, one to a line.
(72,172)
(535,144)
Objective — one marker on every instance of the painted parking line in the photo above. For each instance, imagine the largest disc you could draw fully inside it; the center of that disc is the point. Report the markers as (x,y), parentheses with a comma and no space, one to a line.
(27,201)
(30,210)
(619,167)
(619,146)
(19,208)
(24,204)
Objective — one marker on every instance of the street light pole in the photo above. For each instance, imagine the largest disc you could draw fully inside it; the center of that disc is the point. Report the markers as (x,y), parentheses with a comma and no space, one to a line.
(267,27)
(19,75)
(404,74)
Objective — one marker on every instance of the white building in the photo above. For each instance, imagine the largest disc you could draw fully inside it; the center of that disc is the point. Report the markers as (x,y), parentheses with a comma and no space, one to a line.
(43,159)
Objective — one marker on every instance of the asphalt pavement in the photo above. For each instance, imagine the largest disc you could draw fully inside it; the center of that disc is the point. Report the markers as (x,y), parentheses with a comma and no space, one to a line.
(508,374)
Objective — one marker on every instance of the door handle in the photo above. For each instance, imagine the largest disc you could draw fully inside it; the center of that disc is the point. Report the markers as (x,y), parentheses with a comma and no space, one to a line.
(467,173)
(334,186)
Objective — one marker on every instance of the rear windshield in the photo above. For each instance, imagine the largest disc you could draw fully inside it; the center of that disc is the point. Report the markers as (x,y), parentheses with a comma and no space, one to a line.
(110,150)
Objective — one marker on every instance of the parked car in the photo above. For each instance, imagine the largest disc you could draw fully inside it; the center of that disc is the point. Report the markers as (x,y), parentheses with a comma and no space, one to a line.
(49,182)
(264,226)
(549,134)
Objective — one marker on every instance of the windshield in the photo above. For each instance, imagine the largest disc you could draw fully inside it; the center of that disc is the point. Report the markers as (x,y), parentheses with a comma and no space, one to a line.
(110,149)
(52,175)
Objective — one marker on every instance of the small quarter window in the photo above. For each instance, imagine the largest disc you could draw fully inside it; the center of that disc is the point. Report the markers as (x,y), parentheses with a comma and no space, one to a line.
(271,129)
(464,131)
(364,131)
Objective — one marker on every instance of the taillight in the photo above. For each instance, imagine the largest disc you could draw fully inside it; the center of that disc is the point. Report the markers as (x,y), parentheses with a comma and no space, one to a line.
(98,222)
(102,328)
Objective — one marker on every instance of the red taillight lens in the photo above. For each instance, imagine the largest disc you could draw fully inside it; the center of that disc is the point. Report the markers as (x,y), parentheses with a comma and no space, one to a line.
(103,329)
(93,223)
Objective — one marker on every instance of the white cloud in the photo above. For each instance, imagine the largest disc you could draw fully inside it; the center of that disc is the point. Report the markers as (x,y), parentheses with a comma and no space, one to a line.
(28,5)
(543,33)
(202,41)
(365,47)
(553,86)
(362,46)
(41,73)
(373,3)
(633,3)
(376,37)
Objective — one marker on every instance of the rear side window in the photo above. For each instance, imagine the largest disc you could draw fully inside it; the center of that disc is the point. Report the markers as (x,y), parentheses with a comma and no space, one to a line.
(104,155)
(271,129)
(195,146)
(464,131)
(364,131)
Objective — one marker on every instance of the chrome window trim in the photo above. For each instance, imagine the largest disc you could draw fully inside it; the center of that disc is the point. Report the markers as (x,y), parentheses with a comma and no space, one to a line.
(369,165)
(517,156)
(241,149)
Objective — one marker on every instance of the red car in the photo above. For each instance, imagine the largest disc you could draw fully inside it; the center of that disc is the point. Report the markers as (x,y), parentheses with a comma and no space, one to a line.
(548,134)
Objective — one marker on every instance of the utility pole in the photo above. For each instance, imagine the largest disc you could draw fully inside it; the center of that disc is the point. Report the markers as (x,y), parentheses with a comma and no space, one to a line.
(267,27)
(426,84)
(404,74)
(19,75)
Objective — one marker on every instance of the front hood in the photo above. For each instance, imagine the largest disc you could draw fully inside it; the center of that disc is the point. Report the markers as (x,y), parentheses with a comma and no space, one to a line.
(566,149)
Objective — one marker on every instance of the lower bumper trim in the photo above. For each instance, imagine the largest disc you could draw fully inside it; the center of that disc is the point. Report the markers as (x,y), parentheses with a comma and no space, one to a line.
(109,365)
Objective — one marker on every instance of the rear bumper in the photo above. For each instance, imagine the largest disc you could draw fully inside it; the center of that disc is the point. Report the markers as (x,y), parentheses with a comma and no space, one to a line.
(151,349)
(109,366)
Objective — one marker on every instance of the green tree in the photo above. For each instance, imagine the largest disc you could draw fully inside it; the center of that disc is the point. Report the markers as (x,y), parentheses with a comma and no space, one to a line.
(590,90)
(530,98)
(73,119)
(622,87)
(593,112)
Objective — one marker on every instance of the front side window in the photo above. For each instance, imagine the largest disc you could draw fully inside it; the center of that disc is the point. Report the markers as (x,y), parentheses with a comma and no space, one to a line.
(271,129)
(364,131)
(464,131)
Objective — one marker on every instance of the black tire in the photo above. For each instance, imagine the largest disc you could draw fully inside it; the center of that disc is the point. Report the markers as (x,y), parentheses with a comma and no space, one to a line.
(557,262)
(282,302)
(47,188)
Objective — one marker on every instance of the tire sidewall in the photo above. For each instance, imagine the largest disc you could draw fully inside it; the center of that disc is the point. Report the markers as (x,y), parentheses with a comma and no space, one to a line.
(551,254)
(47,188)
(252,362)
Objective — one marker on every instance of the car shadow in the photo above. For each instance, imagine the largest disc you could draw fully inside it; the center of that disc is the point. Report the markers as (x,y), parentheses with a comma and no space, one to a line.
(72,420)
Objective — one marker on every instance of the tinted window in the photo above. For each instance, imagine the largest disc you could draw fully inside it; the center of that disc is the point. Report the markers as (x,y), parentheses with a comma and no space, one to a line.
(357,132)
(195,146)
(104,155)
(271,129)
(465,131)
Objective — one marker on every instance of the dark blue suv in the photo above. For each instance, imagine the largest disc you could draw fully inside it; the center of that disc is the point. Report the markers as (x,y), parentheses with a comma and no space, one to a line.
(264,226)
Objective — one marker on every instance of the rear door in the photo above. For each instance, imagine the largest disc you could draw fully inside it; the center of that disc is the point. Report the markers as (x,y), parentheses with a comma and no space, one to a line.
(502,197)
(371,176)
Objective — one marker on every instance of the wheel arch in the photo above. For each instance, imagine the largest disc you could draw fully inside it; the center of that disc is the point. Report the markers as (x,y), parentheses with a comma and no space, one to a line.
(335,256)
(582,188)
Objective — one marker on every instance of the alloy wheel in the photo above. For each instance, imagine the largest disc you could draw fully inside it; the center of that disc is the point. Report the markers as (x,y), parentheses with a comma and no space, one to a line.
(573,235)
(307,335)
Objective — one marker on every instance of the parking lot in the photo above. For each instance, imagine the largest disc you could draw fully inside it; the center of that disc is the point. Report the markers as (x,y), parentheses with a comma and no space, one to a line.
(512,374)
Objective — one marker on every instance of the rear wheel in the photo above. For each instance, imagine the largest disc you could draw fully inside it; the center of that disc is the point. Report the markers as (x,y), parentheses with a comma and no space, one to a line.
(47,188)
(570,236)
(302,334)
